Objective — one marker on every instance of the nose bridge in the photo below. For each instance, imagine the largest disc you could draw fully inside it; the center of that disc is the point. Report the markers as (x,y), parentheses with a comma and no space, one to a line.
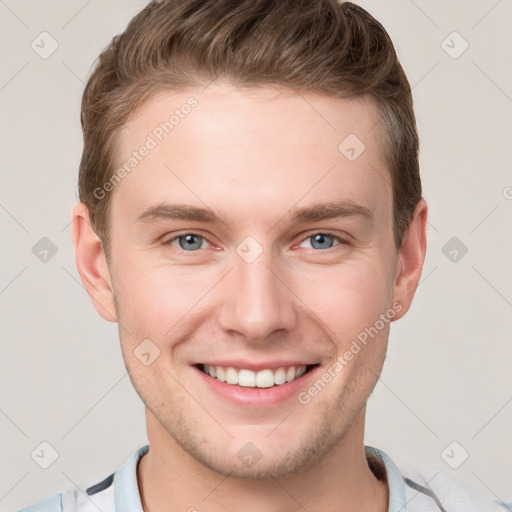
(257,302)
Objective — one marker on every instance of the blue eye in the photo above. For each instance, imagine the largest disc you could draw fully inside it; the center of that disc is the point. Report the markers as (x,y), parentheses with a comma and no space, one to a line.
(322,240)
(192,242)
(188,242)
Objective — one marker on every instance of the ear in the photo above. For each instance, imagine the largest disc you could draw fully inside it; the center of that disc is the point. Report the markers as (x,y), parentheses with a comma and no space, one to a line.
(92,264)
(411,256)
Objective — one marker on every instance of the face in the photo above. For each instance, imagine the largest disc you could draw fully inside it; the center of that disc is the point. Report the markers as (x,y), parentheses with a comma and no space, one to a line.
(254,272)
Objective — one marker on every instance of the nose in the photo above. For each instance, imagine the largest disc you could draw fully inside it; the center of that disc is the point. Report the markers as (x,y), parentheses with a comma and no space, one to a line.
(256,301)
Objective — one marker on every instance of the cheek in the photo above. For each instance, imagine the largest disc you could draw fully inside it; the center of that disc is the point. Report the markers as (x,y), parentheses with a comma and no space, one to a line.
(347,297)
(158,302)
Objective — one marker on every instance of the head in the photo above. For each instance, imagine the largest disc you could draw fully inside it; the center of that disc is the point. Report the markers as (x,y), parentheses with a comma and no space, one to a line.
(250,197)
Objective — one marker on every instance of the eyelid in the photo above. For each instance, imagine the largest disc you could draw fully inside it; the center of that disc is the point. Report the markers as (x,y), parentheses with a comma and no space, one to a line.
(182,234)
(341,240)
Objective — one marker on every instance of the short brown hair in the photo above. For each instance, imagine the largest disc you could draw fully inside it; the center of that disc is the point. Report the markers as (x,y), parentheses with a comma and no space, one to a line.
(322,46)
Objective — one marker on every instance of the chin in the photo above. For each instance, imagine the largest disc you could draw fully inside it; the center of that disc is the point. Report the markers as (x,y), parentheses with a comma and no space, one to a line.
(251,464)
(260,457)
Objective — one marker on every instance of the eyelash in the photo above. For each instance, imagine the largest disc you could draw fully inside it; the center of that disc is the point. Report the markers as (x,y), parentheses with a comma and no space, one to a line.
(327,233)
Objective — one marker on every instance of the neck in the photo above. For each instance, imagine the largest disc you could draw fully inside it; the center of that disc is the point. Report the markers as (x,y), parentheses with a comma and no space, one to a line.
(170,479)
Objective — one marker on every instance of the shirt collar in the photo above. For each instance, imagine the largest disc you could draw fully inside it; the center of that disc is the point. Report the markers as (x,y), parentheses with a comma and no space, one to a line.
(126,489)
(394,479)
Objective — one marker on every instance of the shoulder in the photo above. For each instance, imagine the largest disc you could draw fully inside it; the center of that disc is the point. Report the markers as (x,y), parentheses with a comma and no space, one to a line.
(424,484)
(98,497)
(51,504)
(423,488)
(101,495)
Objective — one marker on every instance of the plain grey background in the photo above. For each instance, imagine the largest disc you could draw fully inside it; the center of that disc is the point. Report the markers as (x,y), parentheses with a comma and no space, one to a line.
(447,377)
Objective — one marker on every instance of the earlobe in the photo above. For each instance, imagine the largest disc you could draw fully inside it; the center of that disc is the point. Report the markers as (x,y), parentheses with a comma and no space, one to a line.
(92,264)
(410,259)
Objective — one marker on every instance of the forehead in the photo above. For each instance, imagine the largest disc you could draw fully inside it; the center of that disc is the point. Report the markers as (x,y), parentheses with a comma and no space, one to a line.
(230,147)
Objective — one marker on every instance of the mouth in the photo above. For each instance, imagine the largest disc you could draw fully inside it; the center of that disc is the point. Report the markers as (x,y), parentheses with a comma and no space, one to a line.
(263,378)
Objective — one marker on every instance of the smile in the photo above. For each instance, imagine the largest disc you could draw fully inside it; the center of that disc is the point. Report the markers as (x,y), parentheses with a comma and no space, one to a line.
(265,378)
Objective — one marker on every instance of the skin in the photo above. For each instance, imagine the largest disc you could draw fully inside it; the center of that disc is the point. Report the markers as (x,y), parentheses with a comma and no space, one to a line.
(253,157)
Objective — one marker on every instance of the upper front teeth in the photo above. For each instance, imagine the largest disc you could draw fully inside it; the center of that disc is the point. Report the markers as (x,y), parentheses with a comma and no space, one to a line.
(251,379)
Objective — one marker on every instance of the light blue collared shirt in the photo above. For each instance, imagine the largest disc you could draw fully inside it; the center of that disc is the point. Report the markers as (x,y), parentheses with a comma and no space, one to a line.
(415,492)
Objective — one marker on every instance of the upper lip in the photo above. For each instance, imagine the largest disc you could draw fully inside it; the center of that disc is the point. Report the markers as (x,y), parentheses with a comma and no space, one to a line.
(251,365)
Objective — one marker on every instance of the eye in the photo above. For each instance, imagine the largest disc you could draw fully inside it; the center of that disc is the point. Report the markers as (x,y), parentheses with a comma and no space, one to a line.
(188,242)
(323,240)
(193,242)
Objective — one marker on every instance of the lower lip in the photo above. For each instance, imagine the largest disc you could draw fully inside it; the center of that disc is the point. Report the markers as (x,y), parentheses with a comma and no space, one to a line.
(257,397)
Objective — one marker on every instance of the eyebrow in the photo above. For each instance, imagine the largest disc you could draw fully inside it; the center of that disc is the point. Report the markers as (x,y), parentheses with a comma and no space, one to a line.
(315,213)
